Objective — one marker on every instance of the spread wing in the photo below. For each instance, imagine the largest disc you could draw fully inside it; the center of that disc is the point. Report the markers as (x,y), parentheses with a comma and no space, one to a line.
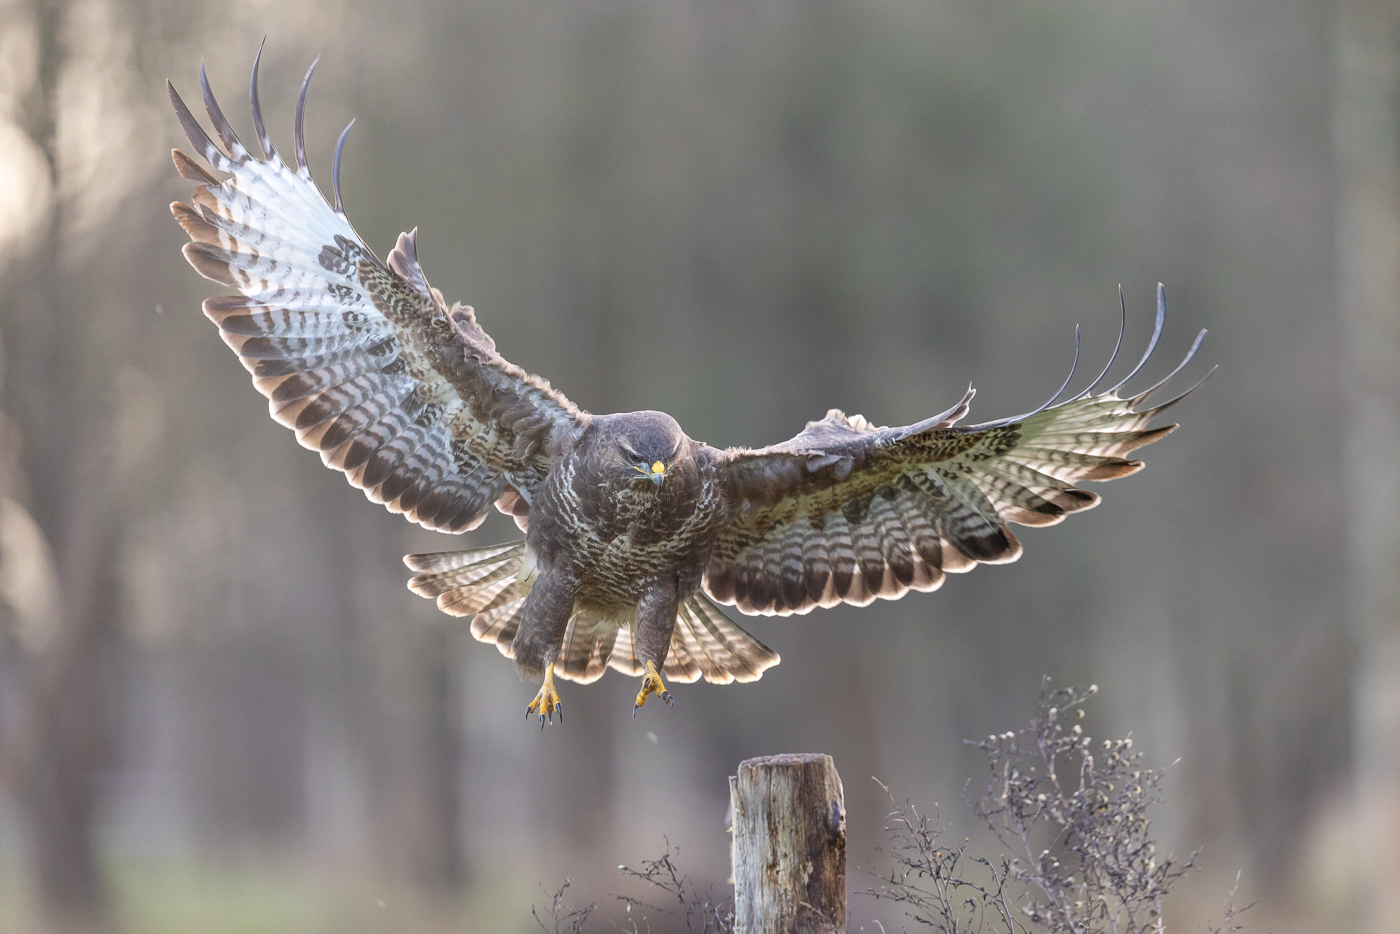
(360,357)
(846,512)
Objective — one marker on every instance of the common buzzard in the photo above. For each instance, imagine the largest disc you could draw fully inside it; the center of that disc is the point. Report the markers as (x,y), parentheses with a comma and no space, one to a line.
(633,531)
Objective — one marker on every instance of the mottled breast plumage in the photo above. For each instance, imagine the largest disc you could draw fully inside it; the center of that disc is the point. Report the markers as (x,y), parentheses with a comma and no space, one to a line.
(633,499)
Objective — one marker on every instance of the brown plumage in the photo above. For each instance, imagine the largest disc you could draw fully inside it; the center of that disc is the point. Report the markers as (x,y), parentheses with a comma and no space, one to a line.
(632,528)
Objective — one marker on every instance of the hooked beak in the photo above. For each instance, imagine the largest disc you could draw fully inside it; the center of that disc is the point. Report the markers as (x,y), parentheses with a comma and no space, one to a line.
(655,474)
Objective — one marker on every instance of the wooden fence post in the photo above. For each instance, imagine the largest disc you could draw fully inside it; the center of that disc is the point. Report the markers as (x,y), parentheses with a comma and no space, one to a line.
(789,846)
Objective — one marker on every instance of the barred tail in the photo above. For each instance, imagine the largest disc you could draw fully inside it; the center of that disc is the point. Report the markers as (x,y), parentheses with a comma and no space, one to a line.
(493,582)
(485,581)
(706,643)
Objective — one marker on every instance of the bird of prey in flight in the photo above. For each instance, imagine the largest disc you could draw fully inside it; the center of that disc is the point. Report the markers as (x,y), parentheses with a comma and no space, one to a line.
(633,531)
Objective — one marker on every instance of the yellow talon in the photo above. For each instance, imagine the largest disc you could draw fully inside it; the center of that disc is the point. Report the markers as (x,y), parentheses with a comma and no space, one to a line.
(547,700)
(652,684)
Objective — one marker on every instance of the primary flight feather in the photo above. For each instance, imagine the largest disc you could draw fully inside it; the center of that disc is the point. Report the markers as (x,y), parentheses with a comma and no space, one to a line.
(632,529)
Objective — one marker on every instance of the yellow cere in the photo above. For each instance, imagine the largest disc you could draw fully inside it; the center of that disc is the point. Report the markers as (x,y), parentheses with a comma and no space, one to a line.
(658,467)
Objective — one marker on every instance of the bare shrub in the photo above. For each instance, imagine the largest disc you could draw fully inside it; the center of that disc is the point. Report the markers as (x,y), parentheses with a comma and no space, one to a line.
(701,911)
(1073,818)
(668,892)
(939,884)
(564,919)
(1231,923)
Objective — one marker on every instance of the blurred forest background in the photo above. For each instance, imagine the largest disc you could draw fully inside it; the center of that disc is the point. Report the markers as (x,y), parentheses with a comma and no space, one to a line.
(220,709)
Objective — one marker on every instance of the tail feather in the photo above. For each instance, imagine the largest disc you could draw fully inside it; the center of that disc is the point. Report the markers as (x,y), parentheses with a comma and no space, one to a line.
(492,583)
(499,625)
(455,560)
(732,653)
(706,643)
(681,665)
(588,643)
(695,652)
(624,654)
(472,581)
(483,598)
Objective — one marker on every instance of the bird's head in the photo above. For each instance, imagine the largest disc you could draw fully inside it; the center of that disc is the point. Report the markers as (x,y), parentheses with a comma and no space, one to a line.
(644,445)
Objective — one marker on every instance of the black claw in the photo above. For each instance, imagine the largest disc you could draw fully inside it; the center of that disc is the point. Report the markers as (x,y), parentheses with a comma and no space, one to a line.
(541,723)
(560,707)
(635,708)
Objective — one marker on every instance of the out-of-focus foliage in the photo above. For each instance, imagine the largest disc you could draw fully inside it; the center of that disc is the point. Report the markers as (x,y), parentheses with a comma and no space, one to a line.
(743,214)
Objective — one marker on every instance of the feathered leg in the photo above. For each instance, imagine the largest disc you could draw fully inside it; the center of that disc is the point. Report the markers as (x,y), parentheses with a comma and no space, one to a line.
(544,620)
(656,621)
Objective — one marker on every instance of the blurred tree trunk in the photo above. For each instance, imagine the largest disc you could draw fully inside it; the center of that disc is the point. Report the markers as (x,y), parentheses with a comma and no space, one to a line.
(404,706)
(413,777)
(1368,257)
(60,401)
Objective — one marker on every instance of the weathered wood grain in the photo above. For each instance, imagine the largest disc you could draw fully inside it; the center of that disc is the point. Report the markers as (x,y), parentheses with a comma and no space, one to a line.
(789,846)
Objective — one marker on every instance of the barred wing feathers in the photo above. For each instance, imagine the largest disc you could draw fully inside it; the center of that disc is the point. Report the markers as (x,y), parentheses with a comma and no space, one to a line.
(846,512)
(360,357)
